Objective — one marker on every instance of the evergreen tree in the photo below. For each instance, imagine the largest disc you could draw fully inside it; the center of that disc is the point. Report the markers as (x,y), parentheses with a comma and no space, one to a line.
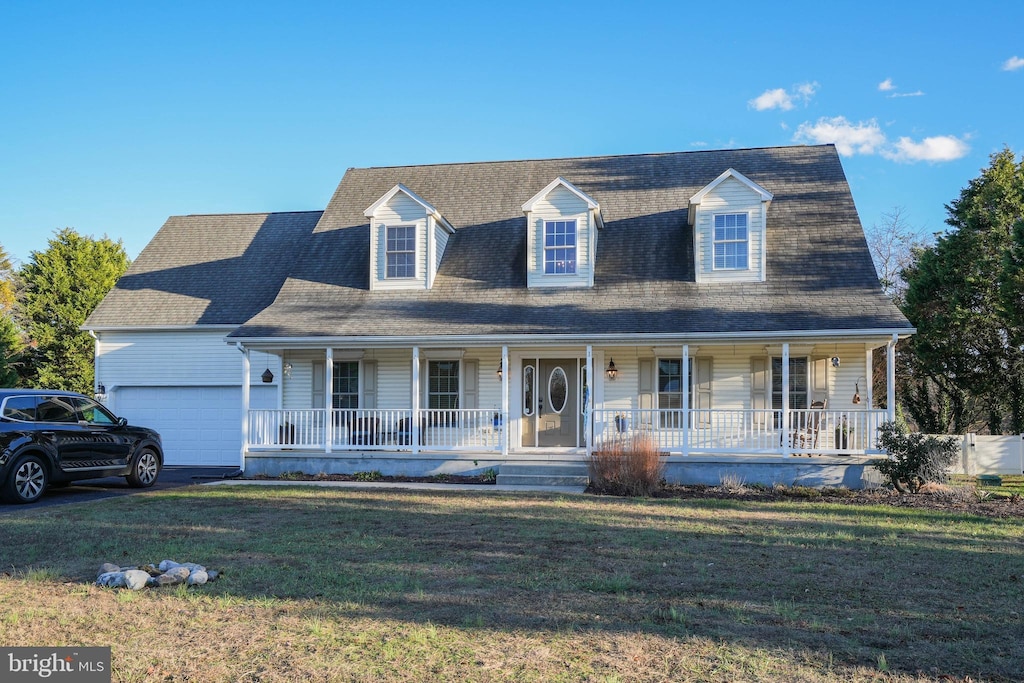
(62,286)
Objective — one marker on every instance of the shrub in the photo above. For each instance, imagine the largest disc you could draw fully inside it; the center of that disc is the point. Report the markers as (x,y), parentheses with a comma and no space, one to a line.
(373,475)
(627,466)
(915,459)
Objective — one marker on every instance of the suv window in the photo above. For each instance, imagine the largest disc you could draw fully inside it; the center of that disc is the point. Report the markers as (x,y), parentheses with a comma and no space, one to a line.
(21,408)
(93,413)
(56,409)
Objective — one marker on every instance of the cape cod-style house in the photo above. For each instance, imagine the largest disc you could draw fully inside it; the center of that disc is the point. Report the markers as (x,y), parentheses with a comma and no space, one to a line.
(456,317)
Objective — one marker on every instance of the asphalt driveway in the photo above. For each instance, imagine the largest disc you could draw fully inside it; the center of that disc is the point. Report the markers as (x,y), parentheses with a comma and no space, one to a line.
(96,489)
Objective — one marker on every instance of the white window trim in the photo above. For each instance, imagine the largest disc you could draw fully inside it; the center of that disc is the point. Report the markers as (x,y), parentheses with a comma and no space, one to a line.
(426,384)
(716,242)
(415,251)
(545,248)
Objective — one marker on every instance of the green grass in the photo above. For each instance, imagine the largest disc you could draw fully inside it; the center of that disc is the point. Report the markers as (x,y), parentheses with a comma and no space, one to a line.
(335,584)
(1011,484)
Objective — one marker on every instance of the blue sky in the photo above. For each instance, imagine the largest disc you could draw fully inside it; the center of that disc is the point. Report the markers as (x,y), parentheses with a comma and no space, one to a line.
(114,118)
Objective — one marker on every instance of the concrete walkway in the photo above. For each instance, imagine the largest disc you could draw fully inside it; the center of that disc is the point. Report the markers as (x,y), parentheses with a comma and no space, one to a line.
(410,485)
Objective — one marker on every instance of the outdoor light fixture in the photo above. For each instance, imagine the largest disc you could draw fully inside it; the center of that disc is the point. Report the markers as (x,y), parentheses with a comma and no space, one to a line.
(287,369)
(611,369)
(835,361)
(267,376)
(101,389)
(499,369)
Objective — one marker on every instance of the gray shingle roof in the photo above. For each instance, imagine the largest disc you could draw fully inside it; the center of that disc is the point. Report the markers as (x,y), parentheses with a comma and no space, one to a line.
(206,270)
(282,277)
(819,271)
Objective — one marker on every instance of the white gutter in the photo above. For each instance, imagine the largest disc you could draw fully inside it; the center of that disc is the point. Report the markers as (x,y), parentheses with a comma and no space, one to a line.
(447,341)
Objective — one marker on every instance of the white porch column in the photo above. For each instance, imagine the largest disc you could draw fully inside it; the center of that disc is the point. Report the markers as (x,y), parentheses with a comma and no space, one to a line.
(685,389)
(504,401)
(329,400)
(786,436)
(588,409)
(245,406)
(890,378)
(415,400)
(869,368)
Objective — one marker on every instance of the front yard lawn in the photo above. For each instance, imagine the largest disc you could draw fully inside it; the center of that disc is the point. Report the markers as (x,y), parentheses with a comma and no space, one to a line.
(335,584)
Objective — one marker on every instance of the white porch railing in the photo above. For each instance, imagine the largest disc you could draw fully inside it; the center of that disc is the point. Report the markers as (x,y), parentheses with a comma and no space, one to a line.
(379,430)
(740,432)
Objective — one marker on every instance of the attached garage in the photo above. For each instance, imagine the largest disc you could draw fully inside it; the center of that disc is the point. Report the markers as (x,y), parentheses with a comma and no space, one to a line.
(199,425)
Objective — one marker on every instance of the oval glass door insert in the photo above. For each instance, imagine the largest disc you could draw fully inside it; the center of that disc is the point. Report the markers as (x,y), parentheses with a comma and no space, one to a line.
(528,390)
(558,389)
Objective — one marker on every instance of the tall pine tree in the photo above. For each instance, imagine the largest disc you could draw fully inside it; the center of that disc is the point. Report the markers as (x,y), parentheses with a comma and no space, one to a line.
(62,286)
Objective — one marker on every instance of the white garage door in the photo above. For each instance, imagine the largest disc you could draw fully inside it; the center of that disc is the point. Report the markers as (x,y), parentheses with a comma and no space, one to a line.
(198,425)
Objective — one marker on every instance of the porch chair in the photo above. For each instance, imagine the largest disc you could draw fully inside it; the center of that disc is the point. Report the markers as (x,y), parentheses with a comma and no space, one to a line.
(806,435)
(364,431)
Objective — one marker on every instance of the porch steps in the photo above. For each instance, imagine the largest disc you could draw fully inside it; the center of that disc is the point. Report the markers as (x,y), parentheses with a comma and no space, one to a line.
(542,475)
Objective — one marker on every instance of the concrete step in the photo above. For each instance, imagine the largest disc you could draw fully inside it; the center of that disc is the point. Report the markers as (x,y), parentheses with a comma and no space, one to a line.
(540,475)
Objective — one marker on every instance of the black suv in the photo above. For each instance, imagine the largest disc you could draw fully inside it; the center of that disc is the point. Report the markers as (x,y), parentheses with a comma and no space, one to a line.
(56,437)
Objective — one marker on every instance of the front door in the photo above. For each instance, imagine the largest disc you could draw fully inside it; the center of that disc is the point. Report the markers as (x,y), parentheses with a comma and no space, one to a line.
(557,403)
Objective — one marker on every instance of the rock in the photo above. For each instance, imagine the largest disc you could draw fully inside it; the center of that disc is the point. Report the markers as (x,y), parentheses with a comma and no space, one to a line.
(197,578)
(212,575)
(167,580)
(167,564)
(107,567)
(136,579)
(151,570)
(111,580)
(179,571)
(192,566)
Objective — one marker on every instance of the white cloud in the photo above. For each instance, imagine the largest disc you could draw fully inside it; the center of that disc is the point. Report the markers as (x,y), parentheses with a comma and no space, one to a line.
(772,99)
(933,149)
(849,138)
(779,98)
(886,85)
(1013,63)
(916,93)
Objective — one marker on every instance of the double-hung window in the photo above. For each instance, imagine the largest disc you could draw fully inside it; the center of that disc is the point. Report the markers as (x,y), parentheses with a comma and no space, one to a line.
(443,385)
(670,390)
(560,247)
(401,251)
(345,392)
(731,241)
(798,383)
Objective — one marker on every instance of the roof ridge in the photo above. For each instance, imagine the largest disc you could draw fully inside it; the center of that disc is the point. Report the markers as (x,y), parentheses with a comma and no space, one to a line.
(583,158)
(244,213)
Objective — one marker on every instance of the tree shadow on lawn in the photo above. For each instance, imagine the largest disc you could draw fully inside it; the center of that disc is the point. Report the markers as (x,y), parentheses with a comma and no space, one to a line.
(934,592)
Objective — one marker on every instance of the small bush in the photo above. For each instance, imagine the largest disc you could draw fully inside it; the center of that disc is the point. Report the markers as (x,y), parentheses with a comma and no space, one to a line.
(629,466)
(915,459)
(490,475)
(373,475)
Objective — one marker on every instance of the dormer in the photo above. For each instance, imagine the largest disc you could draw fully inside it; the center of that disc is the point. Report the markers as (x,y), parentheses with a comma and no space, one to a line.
(729,217)
(562,223)
(407,240)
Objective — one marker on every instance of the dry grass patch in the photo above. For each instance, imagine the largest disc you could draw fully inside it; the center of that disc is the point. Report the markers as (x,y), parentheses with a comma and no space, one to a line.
(330,585)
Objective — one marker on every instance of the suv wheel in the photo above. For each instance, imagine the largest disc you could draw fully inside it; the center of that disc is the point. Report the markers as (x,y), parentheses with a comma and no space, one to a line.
(27,480)
(144,470)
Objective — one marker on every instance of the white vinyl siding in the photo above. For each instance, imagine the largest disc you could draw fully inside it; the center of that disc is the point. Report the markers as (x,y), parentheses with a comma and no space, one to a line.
(176,358)
(560,205)
(730,197)
(441,241)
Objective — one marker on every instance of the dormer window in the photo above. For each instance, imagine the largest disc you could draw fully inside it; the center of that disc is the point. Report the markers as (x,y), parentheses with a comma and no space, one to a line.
(407,240)
(562,224)
(731,241)
(560,247)
(729,216)
(401,251)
